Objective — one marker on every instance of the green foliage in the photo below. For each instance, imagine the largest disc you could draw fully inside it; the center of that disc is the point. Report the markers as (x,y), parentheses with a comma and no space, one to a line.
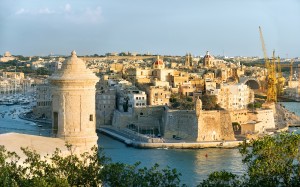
(119,174)
(221,178)
(260,96)
(189,99)
(254,105)
(273,160)
(42,71)
(87,169)
(209,102)
(182,102)
(270,161)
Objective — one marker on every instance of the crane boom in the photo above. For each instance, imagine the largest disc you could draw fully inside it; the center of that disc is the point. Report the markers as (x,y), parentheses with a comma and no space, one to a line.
(267,60)
(271,68)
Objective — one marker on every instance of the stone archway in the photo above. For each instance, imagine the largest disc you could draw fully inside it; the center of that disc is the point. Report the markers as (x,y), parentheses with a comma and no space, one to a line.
(253,83)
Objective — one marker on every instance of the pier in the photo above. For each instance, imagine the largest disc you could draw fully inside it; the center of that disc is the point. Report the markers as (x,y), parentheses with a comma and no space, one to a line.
(132,140)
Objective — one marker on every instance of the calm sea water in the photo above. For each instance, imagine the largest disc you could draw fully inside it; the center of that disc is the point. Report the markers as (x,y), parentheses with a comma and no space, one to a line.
(192,164)
(292,106)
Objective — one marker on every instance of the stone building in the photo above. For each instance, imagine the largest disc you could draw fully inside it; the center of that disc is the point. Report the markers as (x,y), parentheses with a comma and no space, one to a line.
(43,108)
(105,106)
(129,98)
(158,95)
(73,104)
(209,61)
(235,96)
(7,57)
(188,63)
(259,122)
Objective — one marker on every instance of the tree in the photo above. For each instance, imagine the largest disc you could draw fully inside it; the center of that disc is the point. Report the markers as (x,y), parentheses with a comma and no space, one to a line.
(209,102)
(182,102)
(270,161)
(87,169)
(221,178)
(42,71)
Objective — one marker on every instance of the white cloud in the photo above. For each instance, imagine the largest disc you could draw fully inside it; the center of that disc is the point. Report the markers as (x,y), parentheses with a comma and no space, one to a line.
(45,11)
(22,11)
(68,7)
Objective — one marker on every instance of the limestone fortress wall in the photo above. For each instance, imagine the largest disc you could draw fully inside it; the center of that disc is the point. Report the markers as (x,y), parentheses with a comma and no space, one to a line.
(208,126)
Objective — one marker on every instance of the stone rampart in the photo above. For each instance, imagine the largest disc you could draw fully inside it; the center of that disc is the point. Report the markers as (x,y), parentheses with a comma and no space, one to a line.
(215,125)
(180,123)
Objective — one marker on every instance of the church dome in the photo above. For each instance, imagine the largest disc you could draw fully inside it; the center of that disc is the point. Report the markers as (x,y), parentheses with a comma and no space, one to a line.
(207,55)
(158,64)
(7,54)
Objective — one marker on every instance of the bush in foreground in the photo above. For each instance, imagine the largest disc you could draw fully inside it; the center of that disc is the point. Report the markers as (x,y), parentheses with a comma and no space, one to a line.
(270,161)
(85,170)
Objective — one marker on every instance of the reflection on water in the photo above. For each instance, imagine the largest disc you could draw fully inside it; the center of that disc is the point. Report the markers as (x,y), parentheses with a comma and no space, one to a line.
(192,164)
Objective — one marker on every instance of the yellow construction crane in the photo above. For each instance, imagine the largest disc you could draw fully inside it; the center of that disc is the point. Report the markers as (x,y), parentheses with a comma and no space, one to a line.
(280,79)
(271,76)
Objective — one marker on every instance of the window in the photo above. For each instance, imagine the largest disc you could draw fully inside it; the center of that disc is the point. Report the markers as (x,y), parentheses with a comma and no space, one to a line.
(91,117)
(55,122)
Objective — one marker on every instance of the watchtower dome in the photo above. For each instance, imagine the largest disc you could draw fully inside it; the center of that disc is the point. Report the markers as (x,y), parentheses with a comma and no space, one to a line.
(73,103)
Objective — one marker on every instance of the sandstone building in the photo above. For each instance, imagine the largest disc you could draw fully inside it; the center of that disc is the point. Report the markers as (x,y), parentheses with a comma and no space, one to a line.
(7,57)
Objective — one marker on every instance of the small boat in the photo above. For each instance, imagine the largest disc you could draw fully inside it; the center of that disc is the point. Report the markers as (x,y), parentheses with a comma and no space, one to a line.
(40,125)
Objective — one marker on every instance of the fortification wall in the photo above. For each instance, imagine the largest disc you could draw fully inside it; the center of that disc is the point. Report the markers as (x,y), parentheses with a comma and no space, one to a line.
(215,125)
(141,116)
(180,123)
(239,116)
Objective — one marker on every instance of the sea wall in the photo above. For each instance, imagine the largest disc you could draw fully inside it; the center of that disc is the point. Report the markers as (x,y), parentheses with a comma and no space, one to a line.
(180,123)
(215,125)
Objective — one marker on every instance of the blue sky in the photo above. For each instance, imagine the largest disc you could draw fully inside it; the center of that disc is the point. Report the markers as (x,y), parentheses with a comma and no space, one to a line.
(173,27)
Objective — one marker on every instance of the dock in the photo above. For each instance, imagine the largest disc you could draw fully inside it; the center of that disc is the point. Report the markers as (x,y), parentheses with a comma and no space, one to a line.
(133,142)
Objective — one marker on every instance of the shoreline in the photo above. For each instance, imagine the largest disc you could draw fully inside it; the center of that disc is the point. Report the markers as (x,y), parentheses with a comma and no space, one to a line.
(173,145)
(23,116)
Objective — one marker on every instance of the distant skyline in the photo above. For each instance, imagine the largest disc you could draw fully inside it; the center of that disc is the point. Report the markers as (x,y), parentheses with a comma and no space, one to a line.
(35,27)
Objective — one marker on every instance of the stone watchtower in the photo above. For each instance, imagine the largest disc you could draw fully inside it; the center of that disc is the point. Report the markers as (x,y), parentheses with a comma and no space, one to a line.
(73,103)
(198,107)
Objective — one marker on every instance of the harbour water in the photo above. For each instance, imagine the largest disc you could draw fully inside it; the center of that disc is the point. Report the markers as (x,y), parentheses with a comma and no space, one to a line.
(292,106)
(194,165)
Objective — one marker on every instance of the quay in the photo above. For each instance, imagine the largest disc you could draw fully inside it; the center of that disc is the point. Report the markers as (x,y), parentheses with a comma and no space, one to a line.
(132,140)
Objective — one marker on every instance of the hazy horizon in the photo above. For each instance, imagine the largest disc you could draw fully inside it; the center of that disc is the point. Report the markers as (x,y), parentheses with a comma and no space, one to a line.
(230,28)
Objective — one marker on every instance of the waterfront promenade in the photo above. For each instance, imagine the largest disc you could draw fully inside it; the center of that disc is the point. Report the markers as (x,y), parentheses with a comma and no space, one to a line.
(133,139)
